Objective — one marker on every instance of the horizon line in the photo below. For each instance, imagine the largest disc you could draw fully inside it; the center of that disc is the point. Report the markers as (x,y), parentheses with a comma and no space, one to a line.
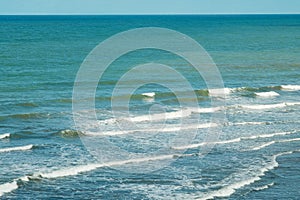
(107,14)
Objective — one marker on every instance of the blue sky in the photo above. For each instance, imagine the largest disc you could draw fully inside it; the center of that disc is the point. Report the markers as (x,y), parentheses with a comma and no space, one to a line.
(147,6)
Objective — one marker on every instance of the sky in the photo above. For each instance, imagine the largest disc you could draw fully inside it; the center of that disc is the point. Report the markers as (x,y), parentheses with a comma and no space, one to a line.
(148,6)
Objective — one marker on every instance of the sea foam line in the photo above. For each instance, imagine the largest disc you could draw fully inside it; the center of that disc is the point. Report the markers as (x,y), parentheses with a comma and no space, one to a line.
(230,189)
(20,148)
(269,106)
(264,187)
(263,146)
(5,135)
(273,142)
(235,140)
(189,111)
(72,171)
(267,94)
(172,128)
(161,130)
(75,170)
(11,186)
(149,94)
(219,92)
(290,87)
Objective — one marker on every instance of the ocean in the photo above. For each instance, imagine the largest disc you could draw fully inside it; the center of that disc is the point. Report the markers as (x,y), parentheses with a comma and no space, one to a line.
(253,152)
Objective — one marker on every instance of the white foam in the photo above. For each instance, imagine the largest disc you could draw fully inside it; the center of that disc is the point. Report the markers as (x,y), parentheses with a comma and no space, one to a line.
(164,129)
(273,142)
(5,135)
(72,171)
(206,110)
(268,135)
(235,140)
(248,123)
(293,104)
(263,146)
(229,141)
(162,116)
(264,187)
(267,94)
(191,146)
(264,106)
(11,186)
(230,189)
(20,148)
(269,106)
(149,94)
(289,140)
(291,87)
(219,92)
(8,187)
(154,117)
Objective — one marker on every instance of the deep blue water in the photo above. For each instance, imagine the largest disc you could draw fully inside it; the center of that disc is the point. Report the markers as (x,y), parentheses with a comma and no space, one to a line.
(258,153)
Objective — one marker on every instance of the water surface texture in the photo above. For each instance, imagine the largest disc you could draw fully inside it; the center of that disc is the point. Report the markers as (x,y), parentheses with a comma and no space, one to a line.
(258,152)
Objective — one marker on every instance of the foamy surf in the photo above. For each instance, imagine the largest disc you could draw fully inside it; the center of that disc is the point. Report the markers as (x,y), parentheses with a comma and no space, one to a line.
(219,92)
(263,187)
(75,170)
(289,140)
(235,140)
(162,130)
(263,146)
(269,106)
(20,148)
(5,135)
(269,135)
(247,123)
(11,186)
(149,94)
(230,189)
(153,117)
(162,116)
(267,94)
(290,87)
(8,187)
(273,142)
(206,110)
(191,146)
(72,171)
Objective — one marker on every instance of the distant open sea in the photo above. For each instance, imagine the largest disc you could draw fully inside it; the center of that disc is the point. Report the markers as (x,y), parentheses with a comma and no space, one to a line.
(258,152)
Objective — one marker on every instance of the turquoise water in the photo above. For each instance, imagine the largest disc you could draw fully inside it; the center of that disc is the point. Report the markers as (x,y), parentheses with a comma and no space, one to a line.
(257,156)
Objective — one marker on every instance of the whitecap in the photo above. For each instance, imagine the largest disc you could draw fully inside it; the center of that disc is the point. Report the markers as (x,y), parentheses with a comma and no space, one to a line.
(19,148)
(230,189)
(235,140)
(263,187)
(162,116)
(290,87)
(219,92)
(149,94)
(263,146)
(72,171)
(264,106)
(267,94)
(247,123)
(5,135)
(8,187)
(168,128)
(11,186)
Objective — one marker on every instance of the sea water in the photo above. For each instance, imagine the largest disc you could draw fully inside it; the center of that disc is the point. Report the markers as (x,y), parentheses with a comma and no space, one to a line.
(256,156)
